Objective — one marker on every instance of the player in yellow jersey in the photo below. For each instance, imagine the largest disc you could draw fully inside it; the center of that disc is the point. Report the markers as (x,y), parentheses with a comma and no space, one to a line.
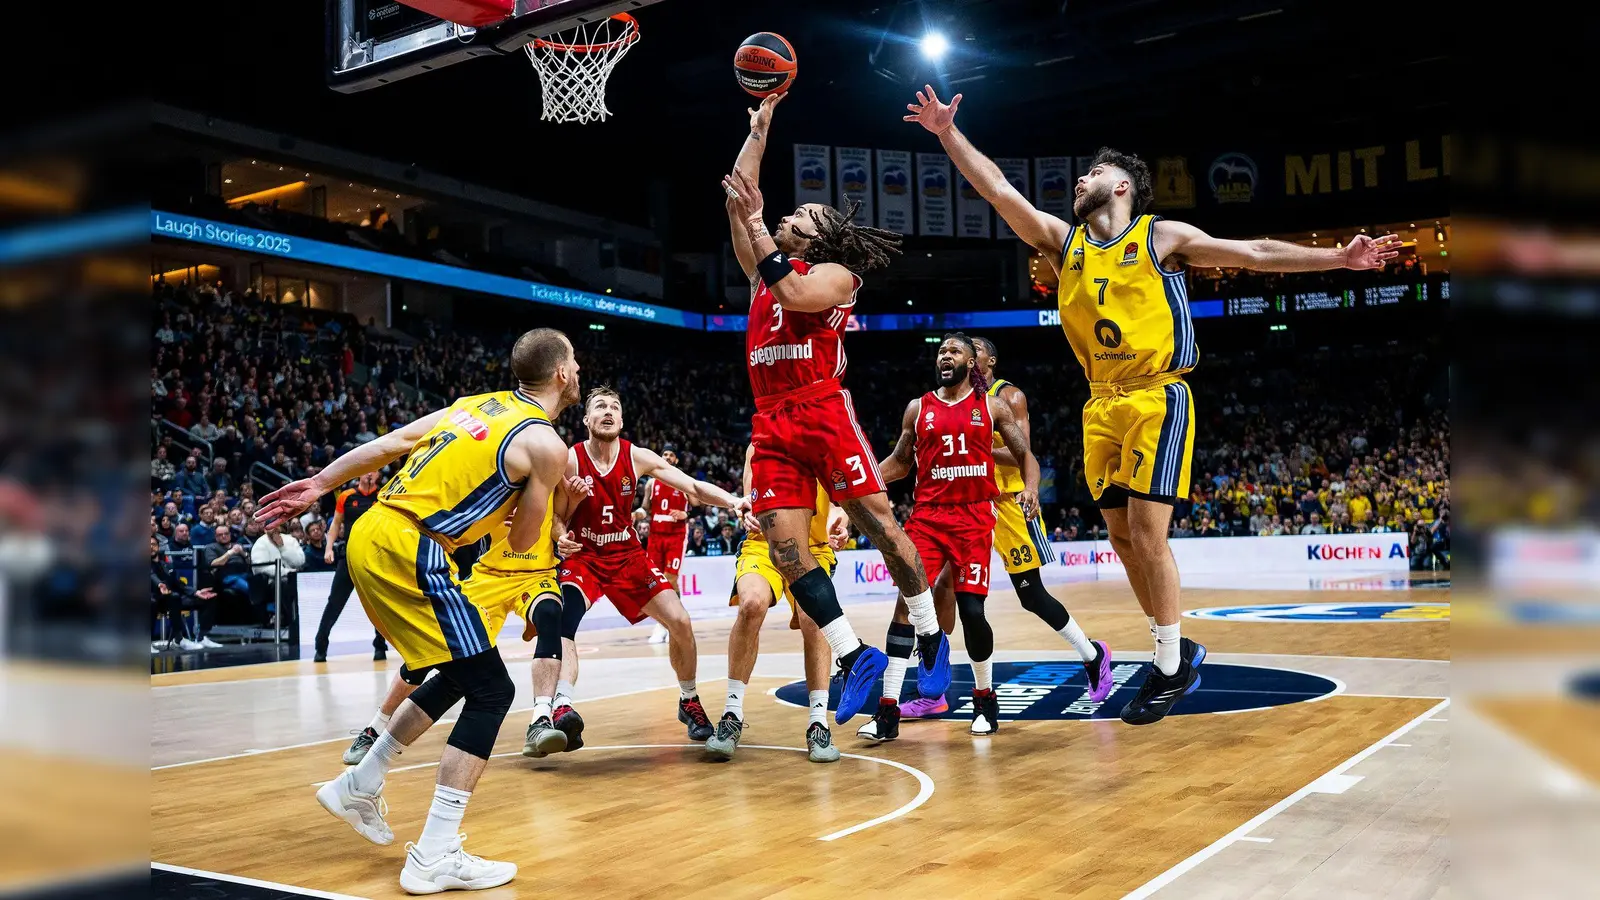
(757,585)
(471,465)
(1125,309)
(1025,549)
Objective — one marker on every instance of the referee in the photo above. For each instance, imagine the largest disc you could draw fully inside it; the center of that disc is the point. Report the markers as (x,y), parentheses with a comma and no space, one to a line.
(350,506)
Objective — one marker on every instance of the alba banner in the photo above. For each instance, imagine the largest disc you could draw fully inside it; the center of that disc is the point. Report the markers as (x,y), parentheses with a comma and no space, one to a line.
(933,195)
(894,191)
(813,174)
(855,182)
(972,211)
(1016,172)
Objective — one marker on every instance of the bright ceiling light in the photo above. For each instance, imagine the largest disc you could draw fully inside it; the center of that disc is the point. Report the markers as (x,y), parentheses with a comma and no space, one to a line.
(934,45)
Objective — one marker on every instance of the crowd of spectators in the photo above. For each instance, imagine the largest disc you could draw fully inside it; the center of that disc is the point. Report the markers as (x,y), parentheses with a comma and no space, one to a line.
(247,392)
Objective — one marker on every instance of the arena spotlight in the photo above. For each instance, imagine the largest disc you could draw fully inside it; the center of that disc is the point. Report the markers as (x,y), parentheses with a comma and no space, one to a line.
(934,45)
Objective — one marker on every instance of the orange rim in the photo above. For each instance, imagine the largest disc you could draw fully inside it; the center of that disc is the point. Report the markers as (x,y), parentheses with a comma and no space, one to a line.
(628,38)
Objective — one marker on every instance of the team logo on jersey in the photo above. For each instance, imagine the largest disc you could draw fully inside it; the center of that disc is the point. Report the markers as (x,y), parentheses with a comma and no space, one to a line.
(627,485)
(1233,178)
(1108,333)
(1059,690)
(928,421)
(977,417)
(837,477)
(470,424)
(1327,612)
(1077,260)
(1130,253)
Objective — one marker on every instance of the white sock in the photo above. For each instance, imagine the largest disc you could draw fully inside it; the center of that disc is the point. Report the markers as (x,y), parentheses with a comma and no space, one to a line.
(894,677)
(541,708)
(841,637)
(983,674)
(379,722)
(563,693)
(1152,624)
(1079,641)
(924,618)
(686,690)
(368,774)
(1167,648)
(444,821)
(735,702)
(819,708)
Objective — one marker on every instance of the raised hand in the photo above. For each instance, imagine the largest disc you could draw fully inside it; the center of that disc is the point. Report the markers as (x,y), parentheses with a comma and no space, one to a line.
(287,502)
(743,194)
(761,116)
(1365,252)
(931,114)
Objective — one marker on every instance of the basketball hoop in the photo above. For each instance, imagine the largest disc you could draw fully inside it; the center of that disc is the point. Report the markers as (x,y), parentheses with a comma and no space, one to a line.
(574,66)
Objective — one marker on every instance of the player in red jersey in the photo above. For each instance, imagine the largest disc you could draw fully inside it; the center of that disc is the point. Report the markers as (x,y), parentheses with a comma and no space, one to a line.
(668,512)
(803,286)
(948,434)
(602,557)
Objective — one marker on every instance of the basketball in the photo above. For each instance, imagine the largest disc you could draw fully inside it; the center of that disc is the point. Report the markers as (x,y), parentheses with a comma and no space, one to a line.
(764,64)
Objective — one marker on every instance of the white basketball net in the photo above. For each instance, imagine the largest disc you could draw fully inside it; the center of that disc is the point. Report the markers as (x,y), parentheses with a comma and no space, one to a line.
(574,66)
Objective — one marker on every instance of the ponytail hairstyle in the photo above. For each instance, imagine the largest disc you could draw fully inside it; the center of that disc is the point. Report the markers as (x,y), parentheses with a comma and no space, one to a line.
(975,376)
(856,247)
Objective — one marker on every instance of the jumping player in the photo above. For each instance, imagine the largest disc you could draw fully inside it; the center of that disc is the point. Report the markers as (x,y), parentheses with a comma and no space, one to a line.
(757,585)
(947,434)
(1024,548)
(1124,308)
(608,561)
(471,464)
(803,282)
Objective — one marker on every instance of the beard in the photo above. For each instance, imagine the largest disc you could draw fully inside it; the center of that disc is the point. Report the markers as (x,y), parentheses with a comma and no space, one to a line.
(606,433)
(952,378)
(1091,201)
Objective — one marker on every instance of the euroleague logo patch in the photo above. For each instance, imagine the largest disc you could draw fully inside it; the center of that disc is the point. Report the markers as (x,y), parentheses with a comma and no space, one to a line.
(1060,690)
(1327,612)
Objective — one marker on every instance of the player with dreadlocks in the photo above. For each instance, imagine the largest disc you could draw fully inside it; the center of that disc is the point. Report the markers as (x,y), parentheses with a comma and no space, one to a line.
(803,284)
(948,435)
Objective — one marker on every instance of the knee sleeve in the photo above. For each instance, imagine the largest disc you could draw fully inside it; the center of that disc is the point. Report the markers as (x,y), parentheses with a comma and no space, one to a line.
(1037,600)
(979,636)
(547,618)
(573,607)
(414,678)
(816,596)
(436,695)
(489,692)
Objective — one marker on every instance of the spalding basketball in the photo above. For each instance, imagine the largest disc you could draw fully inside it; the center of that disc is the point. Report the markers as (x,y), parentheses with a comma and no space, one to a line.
(764,64)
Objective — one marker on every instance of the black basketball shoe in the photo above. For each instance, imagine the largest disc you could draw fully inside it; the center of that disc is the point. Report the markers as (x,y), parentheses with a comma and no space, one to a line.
(1158,694)
(885,724)
(693,714)
(985,712)
(567,719)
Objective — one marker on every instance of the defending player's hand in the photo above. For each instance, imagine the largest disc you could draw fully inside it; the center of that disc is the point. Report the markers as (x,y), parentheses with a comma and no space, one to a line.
(1029,501)
(576,489)
(287,502)
(567,545)
(930,113)
(745,195)
(761,116)
(677,515)
(1366,252)
(838,531)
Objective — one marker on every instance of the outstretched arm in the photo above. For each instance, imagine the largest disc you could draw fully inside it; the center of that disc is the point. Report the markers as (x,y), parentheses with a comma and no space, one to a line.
(1017,401)
(898,463)
(1184,243)
(1042,231)
(755,144)
(649,462)
(1006,426)
(293,498)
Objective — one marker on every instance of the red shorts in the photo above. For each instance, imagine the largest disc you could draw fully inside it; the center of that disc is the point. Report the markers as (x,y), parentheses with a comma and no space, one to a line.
(801,444)
(665,552)
(961,535)
(628,580)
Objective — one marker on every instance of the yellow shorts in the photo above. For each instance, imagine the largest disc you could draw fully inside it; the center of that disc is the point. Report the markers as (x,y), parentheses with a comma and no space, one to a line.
(1141,442)
(500,593)
(754,560)
(409,587)
(1022,543)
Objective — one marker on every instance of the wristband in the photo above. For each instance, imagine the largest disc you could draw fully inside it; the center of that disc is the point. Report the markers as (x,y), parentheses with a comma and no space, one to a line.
(774,268)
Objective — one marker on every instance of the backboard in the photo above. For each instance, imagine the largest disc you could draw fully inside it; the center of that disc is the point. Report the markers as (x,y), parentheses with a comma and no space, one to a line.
(376,42)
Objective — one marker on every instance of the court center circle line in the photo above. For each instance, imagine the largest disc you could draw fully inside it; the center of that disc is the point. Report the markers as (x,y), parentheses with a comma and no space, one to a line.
(924,781)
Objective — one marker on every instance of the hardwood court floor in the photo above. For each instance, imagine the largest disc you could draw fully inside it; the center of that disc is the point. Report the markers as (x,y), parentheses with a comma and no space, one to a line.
(1046,808)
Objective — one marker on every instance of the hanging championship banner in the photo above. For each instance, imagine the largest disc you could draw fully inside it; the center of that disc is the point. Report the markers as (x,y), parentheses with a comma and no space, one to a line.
(1016,172)
(1052,185)
(894,191)
(972,211)
(933,195)
(855,181)
(813,174)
